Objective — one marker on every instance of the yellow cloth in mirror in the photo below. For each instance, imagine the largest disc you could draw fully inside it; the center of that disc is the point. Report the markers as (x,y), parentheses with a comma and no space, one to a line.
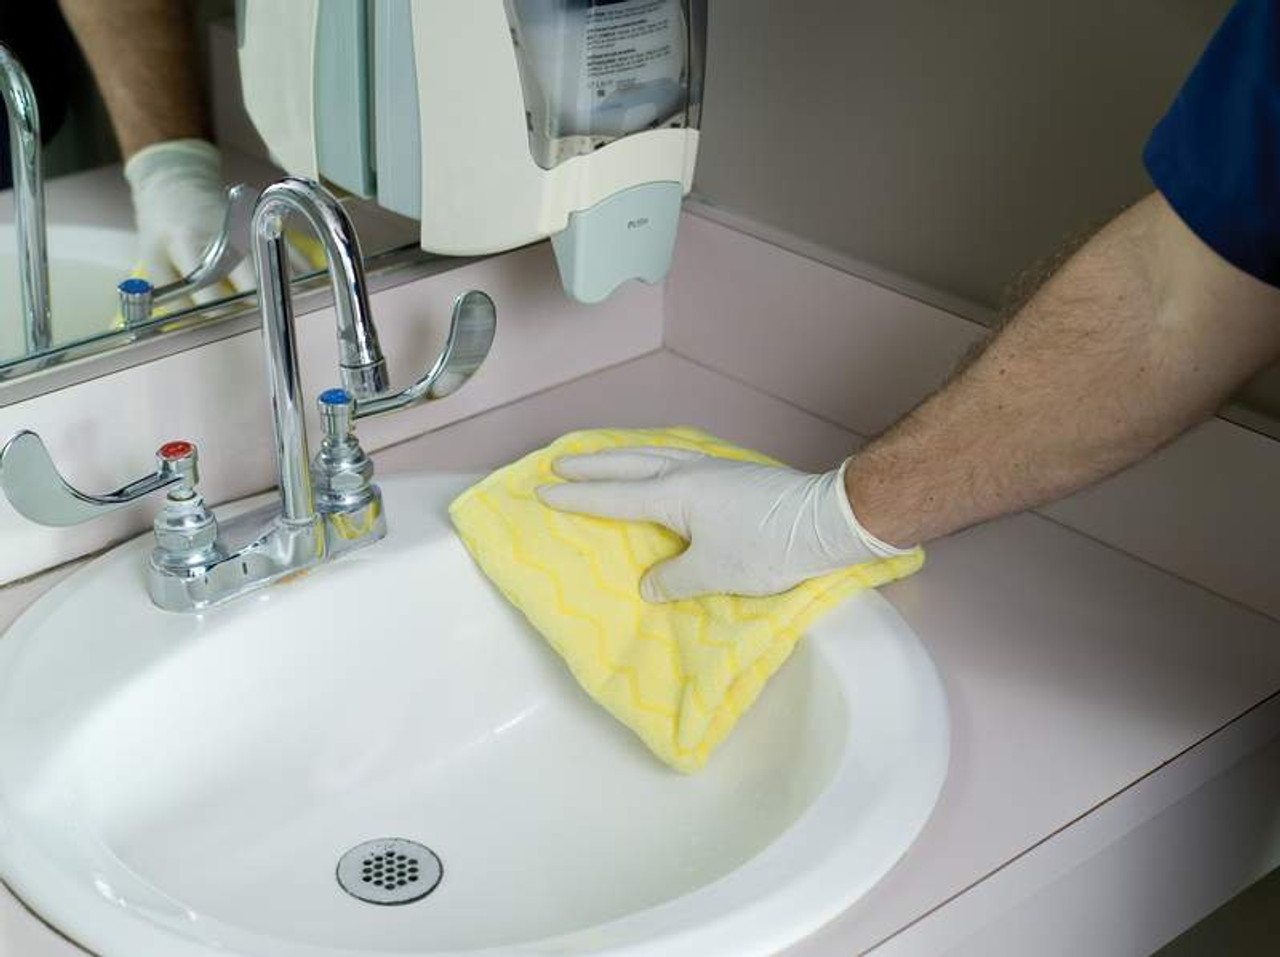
(679,674)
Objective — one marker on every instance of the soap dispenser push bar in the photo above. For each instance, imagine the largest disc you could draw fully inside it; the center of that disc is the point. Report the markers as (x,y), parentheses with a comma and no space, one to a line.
(328,505)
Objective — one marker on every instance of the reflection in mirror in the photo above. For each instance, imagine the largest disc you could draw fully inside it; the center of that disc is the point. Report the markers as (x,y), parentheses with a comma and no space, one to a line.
(142,133)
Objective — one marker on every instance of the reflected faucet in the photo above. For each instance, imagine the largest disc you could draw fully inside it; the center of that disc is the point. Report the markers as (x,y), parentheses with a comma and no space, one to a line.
(328,505)
(139,297)
(28,200)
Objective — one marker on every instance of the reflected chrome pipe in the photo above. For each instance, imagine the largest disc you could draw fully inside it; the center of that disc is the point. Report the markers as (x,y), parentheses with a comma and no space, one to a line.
(28,200)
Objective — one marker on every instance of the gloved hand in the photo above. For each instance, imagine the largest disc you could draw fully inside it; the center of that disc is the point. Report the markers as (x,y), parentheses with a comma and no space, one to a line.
(752,529)
(180,200)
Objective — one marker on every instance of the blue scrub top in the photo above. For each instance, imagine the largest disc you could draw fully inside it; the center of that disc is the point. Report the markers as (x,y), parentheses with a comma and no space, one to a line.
(1216,155)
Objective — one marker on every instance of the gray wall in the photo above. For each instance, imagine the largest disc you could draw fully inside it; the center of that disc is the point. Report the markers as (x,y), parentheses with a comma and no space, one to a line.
(952,142)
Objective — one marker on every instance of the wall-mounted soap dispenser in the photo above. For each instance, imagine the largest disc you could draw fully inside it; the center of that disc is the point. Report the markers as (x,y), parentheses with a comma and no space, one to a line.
(495,123)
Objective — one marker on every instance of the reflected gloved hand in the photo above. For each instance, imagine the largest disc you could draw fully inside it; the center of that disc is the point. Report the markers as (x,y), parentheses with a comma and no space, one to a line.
(752,529)
(179,199)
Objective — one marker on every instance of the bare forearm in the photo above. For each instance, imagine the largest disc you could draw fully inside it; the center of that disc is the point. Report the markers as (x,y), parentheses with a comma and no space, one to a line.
(1142,334)
(142,53)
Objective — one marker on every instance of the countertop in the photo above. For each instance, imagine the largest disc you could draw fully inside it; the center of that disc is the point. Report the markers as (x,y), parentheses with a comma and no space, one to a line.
(1072,670)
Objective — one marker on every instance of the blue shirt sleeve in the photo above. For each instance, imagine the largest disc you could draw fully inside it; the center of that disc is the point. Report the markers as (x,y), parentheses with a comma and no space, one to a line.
(1216,155)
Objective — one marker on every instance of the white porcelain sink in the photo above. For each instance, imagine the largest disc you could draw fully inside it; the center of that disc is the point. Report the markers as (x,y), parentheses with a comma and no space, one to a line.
(85,265)
(178,785)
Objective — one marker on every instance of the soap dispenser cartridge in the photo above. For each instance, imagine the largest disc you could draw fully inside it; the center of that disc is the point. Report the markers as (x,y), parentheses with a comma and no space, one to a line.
(496,123)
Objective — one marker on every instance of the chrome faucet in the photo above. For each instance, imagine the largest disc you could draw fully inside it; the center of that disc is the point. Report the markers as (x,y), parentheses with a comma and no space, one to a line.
(28,200)
(328,505)
(361,366)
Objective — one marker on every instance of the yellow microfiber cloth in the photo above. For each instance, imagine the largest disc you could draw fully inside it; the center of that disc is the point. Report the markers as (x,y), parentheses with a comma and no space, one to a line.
(679,674)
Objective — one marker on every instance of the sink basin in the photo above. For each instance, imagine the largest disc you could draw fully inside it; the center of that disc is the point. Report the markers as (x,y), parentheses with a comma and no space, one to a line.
(85,264)
(180,785)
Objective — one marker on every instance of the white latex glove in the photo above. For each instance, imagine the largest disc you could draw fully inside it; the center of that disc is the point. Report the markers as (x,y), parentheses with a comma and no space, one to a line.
(179,201)
(752,529)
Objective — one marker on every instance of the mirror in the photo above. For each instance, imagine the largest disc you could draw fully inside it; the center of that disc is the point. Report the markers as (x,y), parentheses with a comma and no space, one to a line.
(142,133)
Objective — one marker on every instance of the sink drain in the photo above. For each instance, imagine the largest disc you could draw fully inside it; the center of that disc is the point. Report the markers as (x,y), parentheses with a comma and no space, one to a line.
(389,871)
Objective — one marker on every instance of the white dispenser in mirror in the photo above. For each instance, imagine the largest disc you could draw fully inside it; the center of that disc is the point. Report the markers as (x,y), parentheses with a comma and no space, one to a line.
(495,123)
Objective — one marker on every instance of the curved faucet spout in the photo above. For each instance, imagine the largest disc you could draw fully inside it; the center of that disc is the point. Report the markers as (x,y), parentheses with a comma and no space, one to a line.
(360,360)
(363,368)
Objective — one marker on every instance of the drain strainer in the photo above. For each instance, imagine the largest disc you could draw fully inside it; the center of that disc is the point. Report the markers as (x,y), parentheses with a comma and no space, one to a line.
(389,871)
